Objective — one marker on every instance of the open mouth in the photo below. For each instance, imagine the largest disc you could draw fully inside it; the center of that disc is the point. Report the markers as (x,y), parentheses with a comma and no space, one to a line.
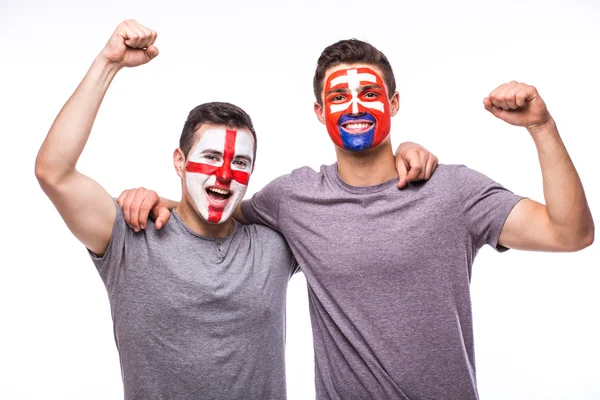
(357,127)
(218,194)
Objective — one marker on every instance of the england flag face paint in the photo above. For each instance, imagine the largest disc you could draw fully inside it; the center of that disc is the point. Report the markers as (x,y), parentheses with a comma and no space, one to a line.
(218,170)
(357,109)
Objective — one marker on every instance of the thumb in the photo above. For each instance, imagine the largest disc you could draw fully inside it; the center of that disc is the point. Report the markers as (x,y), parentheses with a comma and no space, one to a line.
(151,52)
(402,172)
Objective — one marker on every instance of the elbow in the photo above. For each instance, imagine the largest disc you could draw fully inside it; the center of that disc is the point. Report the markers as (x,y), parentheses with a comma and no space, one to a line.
(47,174)
(588,238)
(581,240)
(43,173)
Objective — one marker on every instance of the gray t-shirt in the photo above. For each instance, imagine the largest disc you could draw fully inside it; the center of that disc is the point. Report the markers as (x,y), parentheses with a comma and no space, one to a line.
(196,317)
(388,276)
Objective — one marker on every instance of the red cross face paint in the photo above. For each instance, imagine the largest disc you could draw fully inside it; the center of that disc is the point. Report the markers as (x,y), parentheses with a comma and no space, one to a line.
(357,109)
(218,170)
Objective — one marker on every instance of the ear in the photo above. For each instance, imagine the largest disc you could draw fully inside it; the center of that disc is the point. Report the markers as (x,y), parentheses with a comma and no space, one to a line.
(394,104)
(319,112)
(179,162)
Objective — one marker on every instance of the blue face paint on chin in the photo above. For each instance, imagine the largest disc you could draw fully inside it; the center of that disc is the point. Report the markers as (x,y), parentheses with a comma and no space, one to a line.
(357,141)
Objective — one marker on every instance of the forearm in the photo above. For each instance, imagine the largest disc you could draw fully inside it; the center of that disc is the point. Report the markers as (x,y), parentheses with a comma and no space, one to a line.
(70,131)
(567,207)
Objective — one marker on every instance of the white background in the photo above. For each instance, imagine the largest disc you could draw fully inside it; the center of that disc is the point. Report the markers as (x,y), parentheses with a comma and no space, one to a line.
(536,315)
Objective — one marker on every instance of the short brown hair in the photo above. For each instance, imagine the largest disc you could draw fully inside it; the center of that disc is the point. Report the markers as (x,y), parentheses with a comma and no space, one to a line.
(351,51)
(218,113)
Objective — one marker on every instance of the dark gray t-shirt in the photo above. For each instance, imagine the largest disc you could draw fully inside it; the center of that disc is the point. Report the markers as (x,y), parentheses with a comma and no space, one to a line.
(195,317)
(388,276)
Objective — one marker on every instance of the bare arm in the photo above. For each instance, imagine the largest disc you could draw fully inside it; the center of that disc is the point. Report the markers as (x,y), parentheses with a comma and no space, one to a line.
(87,209)
(564,223)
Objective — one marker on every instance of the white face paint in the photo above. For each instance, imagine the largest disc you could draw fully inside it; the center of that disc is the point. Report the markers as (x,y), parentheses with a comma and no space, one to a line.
(218,170)
(353,79)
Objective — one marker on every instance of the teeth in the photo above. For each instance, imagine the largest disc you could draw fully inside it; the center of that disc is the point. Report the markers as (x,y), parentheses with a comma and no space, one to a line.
(357,126)
(220,191)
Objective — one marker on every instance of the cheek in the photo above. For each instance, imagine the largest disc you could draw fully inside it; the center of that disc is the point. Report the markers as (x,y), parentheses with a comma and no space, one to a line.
(196,182)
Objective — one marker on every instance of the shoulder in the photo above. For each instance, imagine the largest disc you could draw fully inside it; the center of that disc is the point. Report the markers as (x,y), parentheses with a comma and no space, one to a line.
(456,174)
(299,178)
(264,234)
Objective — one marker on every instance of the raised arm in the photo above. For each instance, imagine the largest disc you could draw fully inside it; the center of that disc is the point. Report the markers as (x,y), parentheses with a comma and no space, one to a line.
(564,223)
(87,209)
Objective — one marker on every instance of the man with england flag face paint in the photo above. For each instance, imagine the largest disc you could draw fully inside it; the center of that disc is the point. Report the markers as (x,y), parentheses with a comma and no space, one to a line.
(218,170)
(199,306)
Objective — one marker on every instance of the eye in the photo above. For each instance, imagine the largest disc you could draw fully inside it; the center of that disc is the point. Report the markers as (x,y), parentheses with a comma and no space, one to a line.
(337,99)
(241,163)
(371,95)
(211,157)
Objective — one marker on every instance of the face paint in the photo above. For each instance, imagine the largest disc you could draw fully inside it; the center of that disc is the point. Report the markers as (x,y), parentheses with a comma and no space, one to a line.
(217,172)
(357,109)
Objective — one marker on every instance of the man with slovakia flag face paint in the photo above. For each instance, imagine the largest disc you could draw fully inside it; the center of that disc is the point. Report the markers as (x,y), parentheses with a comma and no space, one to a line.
(389,270)
(356,117)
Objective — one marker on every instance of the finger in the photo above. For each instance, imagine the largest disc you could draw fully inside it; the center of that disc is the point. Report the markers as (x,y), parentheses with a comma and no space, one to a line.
(424,160)
(402,169)
(414,167)
(511,100)
(487,104)
(125,206)
(521,97)
(154,36)
(430,167)
(122,197)
(499,99)
(147,38)
(145,208)
(135,34)
(162,216)
(134,208)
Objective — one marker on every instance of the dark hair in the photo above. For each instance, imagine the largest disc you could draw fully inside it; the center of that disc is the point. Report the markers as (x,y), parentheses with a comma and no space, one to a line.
(218,113)
(352,51)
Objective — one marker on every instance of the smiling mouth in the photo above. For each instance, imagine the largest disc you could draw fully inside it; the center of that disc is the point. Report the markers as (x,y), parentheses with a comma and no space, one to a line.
(357,127)
(218,194)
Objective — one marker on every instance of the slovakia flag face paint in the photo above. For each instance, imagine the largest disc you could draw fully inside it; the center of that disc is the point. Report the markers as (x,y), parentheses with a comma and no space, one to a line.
(357,110)
(218,170)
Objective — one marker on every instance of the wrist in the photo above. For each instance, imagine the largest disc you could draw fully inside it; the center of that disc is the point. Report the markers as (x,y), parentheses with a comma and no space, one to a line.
(548,126)
(106,65)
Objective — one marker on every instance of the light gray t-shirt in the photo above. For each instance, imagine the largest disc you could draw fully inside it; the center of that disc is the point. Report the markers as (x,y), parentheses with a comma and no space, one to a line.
(388,276)
(196,317)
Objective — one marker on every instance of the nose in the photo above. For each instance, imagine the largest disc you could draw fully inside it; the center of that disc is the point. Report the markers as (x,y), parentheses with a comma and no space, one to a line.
(357,114)
(224,173)
(357,109)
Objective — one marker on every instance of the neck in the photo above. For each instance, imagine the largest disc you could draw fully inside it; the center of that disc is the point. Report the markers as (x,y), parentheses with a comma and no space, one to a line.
(192,219)
(369,167)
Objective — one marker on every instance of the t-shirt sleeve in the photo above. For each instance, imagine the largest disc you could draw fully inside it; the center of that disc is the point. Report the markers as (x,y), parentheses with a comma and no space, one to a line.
(263,207)
(486,205)
(109,263)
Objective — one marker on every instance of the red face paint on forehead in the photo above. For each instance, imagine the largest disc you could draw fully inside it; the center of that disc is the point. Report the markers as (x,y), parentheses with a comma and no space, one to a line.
(349,94)
(223,172)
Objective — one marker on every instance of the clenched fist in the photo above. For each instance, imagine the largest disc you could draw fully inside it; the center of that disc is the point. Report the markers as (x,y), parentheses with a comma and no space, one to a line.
(518,104)
(131,44)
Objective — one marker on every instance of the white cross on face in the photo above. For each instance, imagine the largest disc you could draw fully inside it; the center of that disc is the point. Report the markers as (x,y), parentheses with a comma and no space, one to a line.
(353,79)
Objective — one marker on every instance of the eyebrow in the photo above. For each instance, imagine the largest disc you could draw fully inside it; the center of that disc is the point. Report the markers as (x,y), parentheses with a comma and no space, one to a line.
(338,90)
(369,87)
(211,151)
(360,89)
